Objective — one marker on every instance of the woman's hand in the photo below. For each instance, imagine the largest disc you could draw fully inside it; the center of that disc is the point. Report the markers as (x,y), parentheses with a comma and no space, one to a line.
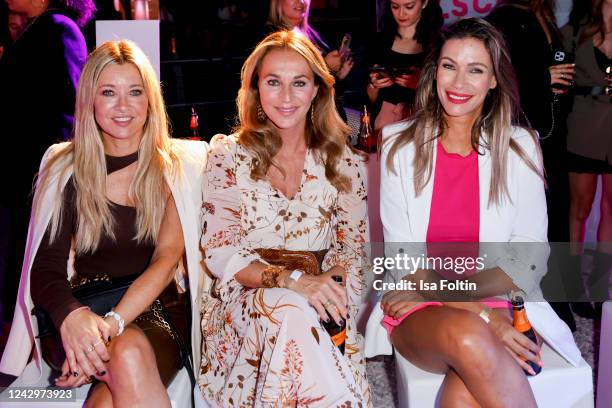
(70,378)
(83,335)
(345,69)
(407,81)
(378,81)
(397,303)
(333,60)
(325,295)
(562,74)
(517,344)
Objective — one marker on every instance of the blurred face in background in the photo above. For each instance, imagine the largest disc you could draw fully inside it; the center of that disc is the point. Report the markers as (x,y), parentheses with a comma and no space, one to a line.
(464,76)
(121,104)
(286,90)
(16,24)
(28,7)
(407,12)
(294,11)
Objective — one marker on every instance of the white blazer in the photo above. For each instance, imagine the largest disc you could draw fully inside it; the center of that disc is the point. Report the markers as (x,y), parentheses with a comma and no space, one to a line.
(187,192)
(523,219)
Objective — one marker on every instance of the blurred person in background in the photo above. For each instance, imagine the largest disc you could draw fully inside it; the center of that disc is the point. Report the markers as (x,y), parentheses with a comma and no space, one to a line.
(38,79)
(535,42)
(408,26)
(589,139)
(293,15)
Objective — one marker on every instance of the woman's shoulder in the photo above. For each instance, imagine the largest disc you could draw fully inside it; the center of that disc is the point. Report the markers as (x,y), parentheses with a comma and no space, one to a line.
(190,150)
(524,137)
(221,143)
(57,21)
(391,132)
(55,150)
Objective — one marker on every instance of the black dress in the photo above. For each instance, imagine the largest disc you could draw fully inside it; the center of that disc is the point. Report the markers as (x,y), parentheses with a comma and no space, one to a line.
(122,257)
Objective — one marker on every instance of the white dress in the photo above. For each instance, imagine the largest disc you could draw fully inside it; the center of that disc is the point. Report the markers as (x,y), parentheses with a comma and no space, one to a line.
(264,346)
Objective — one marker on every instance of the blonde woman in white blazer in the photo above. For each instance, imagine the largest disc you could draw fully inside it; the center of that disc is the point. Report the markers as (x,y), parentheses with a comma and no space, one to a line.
(120,190)
(461,172)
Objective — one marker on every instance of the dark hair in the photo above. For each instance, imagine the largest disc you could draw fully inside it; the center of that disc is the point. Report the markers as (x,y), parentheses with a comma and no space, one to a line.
(427,27)
(544,7)
(596,23)
(81,11)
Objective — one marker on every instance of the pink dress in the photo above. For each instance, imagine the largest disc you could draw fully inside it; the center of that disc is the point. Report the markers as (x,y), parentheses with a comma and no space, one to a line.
(456,182)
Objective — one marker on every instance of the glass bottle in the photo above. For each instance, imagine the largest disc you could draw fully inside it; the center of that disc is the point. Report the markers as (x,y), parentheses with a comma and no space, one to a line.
(194,128)
(366,140)
(336,331)
(522,324)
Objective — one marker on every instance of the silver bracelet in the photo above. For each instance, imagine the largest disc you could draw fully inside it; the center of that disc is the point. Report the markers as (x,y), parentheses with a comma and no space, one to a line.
(119,320)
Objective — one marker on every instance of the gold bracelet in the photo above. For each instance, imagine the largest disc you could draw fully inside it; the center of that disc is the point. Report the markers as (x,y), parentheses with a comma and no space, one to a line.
(270,275)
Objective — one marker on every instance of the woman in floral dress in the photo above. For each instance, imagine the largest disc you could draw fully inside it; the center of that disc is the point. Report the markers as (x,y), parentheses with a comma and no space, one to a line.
(285,180)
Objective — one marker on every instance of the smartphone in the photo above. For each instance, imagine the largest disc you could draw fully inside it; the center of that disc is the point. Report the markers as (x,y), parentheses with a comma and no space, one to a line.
(345,45)
(561,56)
(380,71)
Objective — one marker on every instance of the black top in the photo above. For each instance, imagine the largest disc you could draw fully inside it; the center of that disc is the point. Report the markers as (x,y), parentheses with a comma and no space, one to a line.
(531,56)
(122,257)
(380,53)
(603,61)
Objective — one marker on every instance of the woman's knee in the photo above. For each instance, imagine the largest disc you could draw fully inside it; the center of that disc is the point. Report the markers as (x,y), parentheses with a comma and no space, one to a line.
(470,343)
(131,355)
(580,208)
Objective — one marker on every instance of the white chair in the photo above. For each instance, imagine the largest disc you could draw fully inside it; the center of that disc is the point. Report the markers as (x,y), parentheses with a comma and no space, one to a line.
(559,385)
(179,391)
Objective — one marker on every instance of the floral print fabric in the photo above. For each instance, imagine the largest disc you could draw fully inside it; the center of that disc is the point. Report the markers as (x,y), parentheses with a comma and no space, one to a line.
(262,347)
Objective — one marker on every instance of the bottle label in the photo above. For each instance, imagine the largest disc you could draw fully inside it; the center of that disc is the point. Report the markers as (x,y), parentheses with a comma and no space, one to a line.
(339,338)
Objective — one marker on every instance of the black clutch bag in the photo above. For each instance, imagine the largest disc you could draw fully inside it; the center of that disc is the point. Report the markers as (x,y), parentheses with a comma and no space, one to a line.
(99,294)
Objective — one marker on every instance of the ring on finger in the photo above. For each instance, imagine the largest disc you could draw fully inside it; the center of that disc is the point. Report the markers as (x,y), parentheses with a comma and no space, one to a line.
(97,343)
(90,348)
(329,302)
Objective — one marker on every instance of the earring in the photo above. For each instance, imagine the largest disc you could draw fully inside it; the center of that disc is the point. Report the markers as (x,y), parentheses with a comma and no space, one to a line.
(312,117)
(261,115)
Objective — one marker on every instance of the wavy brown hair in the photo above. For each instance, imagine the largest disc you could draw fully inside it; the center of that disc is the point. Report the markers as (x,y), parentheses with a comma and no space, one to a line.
(326,135)
(596,26)
(492,130)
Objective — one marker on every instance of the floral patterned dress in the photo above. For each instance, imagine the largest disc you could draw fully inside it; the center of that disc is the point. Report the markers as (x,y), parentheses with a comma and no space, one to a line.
(262,347)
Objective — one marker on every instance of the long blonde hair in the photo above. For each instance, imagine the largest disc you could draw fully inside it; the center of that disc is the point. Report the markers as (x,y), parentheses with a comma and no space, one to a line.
(326,133)
(496,121)
(156,156)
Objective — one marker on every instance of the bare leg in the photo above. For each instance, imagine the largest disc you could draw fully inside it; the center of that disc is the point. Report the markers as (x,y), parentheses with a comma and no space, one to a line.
(438,339)
(132,379)
(582,192)
(604,232)
(454,393)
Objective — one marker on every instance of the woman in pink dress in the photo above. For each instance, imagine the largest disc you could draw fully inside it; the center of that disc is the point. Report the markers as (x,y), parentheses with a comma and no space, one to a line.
(461,172)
